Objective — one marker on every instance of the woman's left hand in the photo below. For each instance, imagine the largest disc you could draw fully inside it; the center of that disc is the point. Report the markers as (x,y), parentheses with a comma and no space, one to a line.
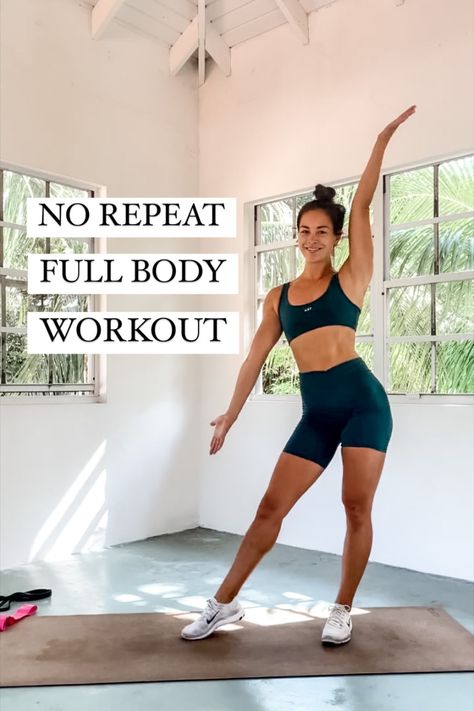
(393,125)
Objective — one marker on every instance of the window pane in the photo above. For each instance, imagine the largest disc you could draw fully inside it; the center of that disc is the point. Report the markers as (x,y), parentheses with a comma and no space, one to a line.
(364,325)
(411,195)
(16,188)
(456,185)
(19,302)
(300,261)
(16,247)
(455,307)
(411,252)
(279,372)
(274,267)
(302,200)
(344,195)
(410,367)
(19,366)
(276,219)
(57,190)
(410,310)
(70,246)
(366,351)
(22,367)
(31,368)
(456,245)
(455,367)
(71,368)
(341,253)
(259,312)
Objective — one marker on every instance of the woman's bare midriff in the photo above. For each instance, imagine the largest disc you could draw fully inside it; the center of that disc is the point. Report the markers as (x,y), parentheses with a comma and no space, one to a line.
(322,348)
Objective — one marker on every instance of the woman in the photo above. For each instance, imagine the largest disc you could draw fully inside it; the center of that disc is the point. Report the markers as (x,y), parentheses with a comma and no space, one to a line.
(343,401)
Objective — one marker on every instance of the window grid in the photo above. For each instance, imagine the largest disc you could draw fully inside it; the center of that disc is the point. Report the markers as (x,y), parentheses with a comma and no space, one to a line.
(14,277)
(287,269)
(379,301)
(433,280)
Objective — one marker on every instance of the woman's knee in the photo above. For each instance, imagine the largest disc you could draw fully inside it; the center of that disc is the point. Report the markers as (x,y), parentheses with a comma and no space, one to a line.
(269,509)
(358,511)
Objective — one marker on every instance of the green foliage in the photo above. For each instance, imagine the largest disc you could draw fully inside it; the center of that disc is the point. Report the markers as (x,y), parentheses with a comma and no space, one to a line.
(414,250)
(20,366)
(416,310)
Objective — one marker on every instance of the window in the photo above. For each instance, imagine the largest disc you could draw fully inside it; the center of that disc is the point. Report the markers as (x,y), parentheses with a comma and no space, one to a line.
(429,262)
(418,328)
(277,260)
(22,373)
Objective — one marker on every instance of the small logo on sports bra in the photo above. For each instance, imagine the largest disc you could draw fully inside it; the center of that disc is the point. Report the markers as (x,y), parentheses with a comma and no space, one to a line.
(308,309)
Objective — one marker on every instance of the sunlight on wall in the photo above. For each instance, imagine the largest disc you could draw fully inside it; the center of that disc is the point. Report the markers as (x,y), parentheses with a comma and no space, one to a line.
(63,530)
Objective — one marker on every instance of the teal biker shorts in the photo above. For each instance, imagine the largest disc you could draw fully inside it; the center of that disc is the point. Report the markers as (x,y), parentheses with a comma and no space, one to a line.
(344,405)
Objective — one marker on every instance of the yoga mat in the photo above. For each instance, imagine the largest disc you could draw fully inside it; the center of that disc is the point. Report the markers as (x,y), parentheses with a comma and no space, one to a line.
(277,642)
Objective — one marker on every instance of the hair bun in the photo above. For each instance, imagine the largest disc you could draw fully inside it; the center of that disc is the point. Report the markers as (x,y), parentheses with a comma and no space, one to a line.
(324,193)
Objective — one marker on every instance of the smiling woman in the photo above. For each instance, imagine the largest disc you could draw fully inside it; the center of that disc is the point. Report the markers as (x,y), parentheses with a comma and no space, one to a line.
(343,402)
(330,301)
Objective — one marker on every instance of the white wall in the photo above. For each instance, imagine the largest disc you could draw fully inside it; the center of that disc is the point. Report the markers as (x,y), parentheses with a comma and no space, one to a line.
(292,115)
(105,111)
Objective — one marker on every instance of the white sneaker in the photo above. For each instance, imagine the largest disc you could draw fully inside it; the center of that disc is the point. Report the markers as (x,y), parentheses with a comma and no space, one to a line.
(338,627)
(213,616)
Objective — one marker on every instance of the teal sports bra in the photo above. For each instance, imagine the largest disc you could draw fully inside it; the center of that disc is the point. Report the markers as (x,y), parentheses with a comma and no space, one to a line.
(333,308)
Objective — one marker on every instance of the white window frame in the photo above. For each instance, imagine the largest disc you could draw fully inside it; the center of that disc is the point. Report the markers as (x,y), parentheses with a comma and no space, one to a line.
(378,286)
(96,302)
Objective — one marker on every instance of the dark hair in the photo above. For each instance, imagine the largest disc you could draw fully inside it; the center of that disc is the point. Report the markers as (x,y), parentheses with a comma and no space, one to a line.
(323,200)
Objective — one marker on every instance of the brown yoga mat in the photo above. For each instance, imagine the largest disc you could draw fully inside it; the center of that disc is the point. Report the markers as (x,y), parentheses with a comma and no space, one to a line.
(279,642)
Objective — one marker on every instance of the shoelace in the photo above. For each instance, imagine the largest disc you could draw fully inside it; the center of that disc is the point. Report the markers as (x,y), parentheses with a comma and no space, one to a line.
(211,608)
(338,615)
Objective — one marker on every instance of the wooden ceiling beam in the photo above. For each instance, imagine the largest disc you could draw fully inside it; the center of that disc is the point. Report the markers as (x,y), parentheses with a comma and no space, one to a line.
(201,42)
(218,49)
(200,35)
(296,16)
(102,15)
(184,46)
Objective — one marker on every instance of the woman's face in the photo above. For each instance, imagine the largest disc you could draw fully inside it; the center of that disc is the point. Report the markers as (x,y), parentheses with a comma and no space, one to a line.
(316,238)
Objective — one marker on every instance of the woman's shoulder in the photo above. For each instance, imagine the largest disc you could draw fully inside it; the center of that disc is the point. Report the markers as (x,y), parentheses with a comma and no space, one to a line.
(276,290)
(274,295)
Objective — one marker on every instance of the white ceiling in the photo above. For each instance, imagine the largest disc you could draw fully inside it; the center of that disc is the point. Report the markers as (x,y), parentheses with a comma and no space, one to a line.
(196,30)
(200,30)
(235,20)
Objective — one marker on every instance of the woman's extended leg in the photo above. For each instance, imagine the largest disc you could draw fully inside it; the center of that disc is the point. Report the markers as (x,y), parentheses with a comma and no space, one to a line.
(291,477)
(362,468)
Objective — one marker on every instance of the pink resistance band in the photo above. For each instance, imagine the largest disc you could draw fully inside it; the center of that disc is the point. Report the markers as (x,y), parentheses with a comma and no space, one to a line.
(23,611)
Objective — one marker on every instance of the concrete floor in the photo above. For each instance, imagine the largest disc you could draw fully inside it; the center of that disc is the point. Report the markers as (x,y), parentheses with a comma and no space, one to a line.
(186,568)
